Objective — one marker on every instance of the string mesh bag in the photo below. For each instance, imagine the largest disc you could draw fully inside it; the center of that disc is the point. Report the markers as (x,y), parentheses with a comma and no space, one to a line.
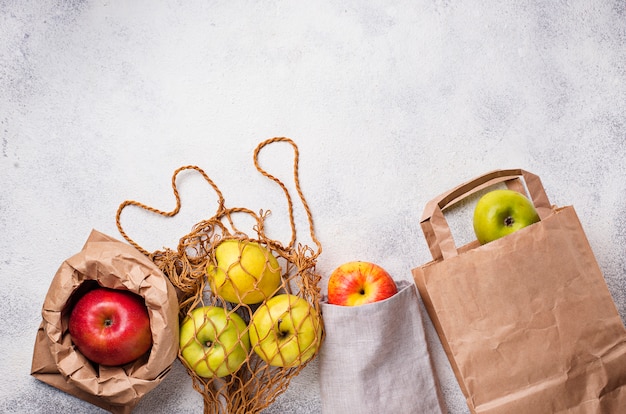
(249,305)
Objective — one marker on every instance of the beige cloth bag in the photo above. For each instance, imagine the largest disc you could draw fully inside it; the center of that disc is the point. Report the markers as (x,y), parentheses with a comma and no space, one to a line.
(375,358)
(527,320)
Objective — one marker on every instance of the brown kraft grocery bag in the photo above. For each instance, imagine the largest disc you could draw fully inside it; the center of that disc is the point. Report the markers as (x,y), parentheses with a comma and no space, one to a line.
(527,321)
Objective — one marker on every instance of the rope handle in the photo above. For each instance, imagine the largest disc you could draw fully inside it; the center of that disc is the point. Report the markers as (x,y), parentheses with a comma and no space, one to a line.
(296,177)
(221,202)
(161,212)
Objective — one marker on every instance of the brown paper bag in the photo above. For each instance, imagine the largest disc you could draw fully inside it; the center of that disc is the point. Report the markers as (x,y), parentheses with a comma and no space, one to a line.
(527,320)
(110,263)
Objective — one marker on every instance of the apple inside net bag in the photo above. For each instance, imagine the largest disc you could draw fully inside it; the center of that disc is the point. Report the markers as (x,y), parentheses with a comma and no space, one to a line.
(248,304)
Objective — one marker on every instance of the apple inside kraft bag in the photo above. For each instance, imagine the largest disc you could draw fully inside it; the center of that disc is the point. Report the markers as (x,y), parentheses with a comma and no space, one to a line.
(110,263)
(527,321)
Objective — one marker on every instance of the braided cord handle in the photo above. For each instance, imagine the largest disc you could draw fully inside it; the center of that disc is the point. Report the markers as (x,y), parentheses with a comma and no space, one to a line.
(161,212)
(296,178)
(221,202)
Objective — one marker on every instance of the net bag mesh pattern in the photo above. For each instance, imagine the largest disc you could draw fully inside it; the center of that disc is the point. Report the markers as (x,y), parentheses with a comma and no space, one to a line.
(235,366)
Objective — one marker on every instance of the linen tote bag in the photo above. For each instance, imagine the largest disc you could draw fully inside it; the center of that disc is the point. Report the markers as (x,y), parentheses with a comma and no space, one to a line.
(375,358)
(527,320)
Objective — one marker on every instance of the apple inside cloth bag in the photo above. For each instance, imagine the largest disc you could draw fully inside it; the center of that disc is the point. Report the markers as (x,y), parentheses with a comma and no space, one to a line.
(110,263)
(375,358)
(527,321)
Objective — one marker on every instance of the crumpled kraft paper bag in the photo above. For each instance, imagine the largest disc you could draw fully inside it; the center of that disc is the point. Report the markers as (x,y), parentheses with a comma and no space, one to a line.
(375,358)
(56,362)
(527,321)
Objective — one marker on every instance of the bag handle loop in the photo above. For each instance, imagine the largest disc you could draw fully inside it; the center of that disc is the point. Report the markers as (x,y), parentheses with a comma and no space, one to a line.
(296,177)
(435,226)
(171,213)
(221,210)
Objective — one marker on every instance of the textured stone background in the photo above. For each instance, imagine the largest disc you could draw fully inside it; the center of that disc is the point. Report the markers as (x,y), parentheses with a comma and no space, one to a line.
(390,102)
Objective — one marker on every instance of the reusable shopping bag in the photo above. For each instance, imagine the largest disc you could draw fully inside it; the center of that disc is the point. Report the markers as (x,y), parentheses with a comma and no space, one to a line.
(527,320)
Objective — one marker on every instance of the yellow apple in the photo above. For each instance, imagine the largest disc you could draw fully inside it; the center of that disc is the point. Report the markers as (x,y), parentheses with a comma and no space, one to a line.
(244,272)
(285,331)
(213,341)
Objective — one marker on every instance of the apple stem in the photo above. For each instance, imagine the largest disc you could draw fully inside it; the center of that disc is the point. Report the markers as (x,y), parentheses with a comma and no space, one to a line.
(281,333)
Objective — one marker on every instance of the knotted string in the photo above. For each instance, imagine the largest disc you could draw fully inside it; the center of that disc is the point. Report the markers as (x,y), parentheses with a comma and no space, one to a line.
(256,385)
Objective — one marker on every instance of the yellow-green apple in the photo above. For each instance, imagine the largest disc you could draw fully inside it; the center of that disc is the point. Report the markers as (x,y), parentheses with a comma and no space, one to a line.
(243,272)
(110,326)
(214,342)
(285,331)
(357,283)
(501,212)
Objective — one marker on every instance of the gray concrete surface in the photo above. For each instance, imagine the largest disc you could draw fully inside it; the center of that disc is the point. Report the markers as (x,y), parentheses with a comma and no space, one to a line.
(390,102)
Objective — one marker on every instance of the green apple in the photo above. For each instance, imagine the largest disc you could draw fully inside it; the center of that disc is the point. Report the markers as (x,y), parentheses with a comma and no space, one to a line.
(285,331)
(501,212)
(243,272)
(213,341)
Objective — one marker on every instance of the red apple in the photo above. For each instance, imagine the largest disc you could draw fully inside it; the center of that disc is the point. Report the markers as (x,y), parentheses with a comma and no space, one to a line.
(357,283)
(110,326)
